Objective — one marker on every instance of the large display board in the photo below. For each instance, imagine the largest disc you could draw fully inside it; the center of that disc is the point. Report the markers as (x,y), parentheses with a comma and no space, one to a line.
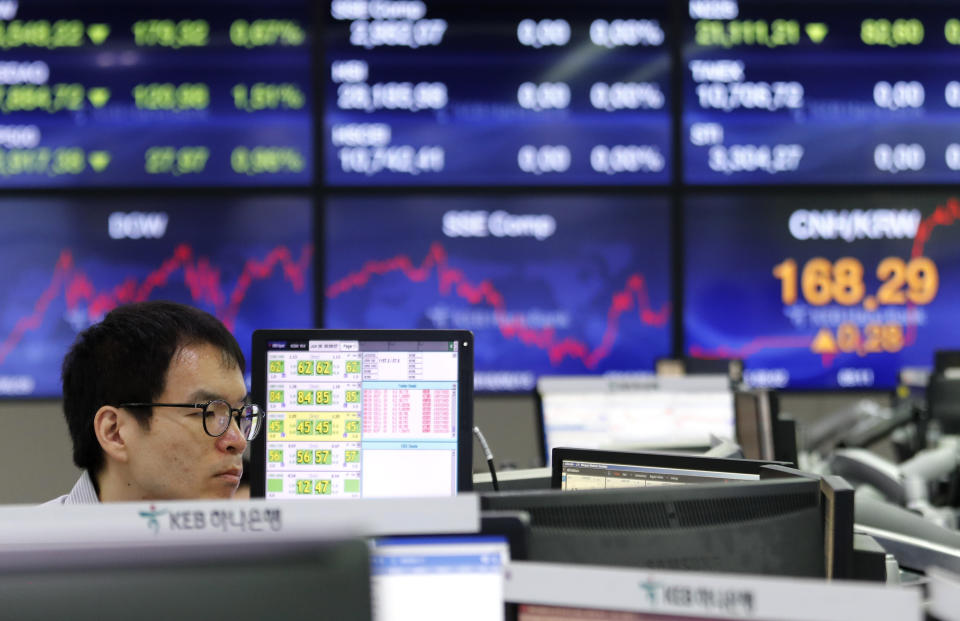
(821,92)
(547,284)
(179,93)
(822,290)
(444,92)
(67,262)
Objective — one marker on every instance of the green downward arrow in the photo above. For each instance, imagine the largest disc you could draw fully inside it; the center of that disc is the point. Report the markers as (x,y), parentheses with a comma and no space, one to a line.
(816,31)
(98,33)
(99,160)
(98,96)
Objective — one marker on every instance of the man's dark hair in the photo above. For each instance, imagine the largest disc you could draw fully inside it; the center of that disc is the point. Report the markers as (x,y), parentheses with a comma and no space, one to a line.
(124,359)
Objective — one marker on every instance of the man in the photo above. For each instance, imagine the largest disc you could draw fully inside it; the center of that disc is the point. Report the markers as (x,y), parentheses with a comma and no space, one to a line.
(157,407)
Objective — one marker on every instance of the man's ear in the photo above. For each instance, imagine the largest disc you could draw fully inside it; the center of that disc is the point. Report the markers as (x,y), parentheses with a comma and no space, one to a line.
(110,426)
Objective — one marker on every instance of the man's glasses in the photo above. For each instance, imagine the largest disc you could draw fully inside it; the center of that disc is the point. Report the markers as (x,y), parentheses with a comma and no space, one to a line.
(217,415)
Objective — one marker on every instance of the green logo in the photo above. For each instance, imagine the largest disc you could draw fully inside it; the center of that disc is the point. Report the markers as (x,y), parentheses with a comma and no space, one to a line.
(650,588)
(152,515)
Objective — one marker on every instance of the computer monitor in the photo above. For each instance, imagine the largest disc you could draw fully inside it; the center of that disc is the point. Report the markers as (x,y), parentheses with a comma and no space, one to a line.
(576,469)
(836,498)
(554,592)
(732,367)
(438,578)
(216,579)
(362,413)
(754,425)
(769,527)
(635,411)
(762,432)
(943,399)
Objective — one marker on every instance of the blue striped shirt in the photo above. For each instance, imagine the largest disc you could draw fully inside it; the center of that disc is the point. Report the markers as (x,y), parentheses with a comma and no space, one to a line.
(83,493)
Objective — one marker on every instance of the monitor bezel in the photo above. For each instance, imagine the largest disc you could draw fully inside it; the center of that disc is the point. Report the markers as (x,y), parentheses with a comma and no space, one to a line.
(656,459)
(258,374)
(837,500)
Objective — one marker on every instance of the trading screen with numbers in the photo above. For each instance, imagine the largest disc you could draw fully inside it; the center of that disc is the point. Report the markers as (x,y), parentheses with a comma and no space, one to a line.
(820,292)
(445,92)
(441,133)
(179,93)
(788,92)
(361,418)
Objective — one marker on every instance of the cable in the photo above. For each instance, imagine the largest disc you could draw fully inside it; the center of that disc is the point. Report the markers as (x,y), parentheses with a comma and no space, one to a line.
(489,455)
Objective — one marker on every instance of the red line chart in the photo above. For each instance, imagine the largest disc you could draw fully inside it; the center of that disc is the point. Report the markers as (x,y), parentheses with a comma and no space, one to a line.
(201,277)
(634,296)
(943,216)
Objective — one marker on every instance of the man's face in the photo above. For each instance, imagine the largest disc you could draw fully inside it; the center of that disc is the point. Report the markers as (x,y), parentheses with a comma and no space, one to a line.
(175,458)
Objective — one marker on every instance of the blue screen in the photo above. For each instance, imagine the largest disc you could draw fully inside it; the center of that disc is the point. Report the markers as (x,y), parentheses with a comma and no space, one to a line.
(821,92)
(499,92)
(822,291)
(67,262)
(548,284)
(178,93)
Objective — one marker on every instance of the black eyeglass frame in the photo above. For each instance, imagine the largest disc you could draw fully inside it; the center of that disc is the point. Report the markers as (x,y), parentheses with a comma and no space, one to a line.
(235,413)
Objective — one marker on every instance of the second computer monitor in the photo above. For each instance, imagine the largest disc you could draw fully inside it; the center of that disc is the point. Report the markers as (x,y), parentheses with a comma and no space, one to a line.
(635,411)
(575,469)
(765,527)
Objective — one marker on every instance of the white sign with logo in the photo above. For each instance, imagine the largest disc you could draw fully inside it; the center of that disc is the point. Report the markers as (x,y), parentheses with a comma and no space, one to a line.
(707,596)
(160,522)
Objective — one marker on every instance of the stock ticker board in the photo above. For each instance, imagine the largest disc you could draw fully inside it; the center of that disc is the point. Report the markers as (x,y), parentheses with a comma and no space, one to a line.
(822,291)
(445,92)
(552,284)
(179,93)
(798,92)
(67,262)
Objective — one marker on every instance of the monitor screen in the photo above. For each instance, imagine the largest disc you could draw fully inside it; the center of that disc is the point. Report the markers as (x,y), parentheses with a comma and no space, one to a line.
(180,93)
(437,578)
(575,469)
(68,261)
(773,527)
(822,291)
(759,108)
(511,93)
(353,413)
(539,294)
(613,413)
(209,578)
(578,474)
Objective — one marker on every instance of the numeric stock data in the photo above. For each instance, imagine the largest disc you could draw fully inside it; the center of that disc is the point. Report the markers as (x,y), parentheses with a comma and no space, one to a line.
(444,92)
(178,93)
(791,92)
(822,291)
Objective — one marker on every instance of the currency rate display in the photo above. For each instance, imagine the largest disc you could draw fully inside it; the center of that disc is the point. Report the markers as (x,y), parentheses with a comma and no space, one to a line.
(444,92)
(550,284)
(180,93)
(67,262)
(788,92)
(823,291)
